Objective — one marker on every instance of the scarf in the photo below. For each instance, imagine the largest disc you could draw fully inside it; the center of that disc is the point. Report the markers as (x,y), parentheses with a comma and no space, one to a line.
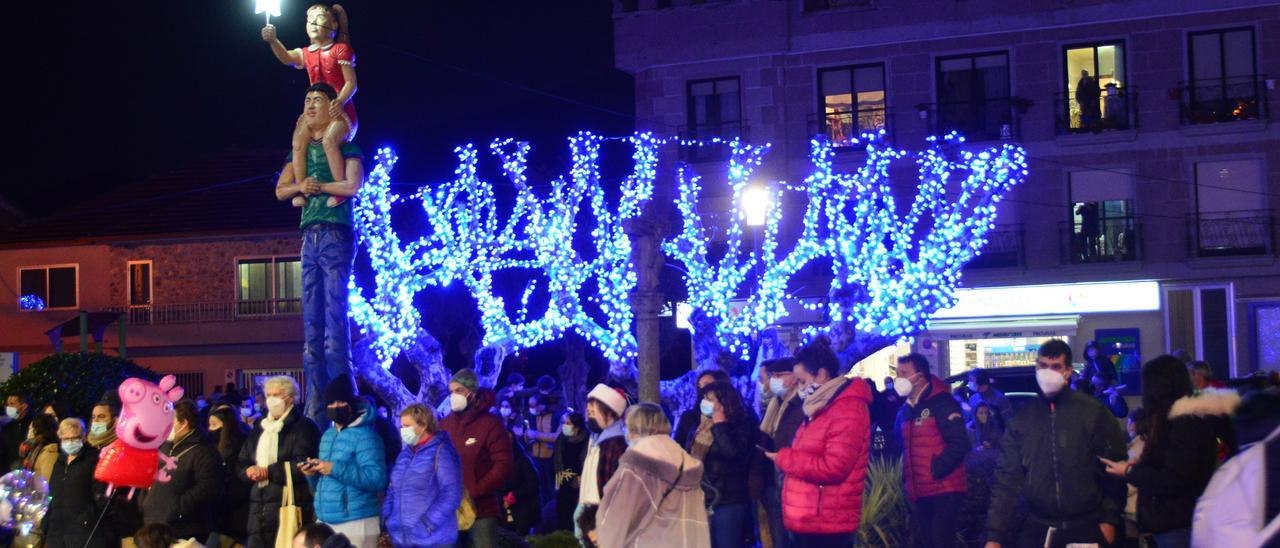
(777,407)
(103,440)
(269,442)
(818,400)
(28,451)
(703,439)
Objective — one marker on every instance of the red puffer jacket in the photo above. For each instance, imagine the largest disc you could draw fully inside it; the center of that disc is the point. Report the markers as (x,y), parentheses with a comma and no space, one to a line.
(935,443)
(827,462)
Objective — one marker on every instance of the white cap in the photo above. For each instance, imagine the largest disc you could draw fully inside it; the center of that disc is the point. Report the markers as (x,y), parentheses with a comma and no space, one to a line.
(611,397)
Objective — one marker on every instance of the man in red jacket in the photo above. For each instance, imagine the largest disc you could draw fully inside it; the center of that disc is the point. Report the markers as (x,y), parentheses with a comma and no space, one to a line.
(485,450)
(934,443)
(826,465)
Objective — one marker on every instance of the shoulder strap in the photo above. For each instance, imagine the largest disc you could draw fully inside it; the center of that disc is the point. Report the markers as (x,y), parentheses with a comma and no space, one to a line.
(287,498)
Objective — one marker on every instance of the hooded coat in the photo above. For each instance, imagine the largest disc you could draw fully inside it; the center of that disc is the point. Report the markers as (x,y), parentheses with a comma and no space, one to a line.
(485,449)
(359,475)
(934,443)
(654,498)
(1175,470)
(826,465)
(421,506)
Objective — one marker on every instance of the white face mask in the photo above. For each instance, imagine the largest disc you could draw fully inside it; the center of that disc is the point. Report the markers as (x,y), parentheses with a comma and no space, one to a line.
(1051,382)
(408,435)
(98,428)
(504,411)
(707,407)
(457,402)
(807,391)
(275,406)
(567,429)
(777,386)
(902,386)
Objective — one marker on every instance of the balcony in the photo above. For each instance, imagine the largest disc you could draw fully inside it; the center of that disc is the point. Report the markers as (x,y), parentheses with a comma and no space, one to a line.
(725,131)
(1230,233)
(1109,240)
(1223,100)
(981,120)
(1117,110)
(1003,249)
(843,127)
(230,311)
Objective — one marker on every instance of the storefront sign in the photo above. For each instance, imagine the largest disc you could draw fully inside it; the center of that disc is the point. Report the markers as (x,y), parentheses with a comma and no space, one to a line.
(1030,300)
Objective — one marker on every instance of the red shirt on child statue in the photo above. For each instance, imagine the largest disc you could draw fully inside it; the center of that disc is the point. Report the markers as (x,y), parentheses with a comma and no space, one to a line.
(324,64)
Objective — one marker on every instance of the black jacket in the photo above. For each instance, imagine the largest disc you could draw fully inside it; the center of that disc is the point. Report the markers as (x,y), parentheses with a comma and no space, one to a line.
(727,464)
(74,497)
(1174,470)
(788,424)
(1063,481)
(232,512)
(523,484)
(185,503)
(11,436)
(299,440)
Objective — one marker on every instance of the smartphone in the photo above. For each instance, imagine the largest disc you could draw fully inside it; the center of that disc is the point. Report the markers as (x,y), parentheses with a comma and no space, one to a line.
(762,448)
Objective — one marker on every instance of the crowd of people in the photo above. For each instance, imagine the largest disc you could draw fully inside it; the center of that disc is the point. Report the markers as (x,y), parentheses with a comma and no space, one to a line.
(787,469)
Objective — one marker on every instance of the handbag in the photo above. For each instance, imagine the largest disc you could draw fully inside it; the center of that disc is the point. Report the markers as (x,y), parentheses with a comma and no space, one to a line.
(290,514)
(466,509)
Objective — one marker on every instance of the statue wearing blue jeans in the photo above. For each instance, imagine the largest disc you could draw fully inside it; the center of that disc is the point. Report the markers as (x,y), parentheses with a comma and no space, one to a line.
(328,244)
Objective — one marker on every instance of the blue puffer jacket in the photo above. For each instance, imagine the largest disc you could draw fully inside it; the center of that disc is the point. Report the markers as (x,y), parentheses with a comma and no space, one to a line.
(421,508)
(359,474)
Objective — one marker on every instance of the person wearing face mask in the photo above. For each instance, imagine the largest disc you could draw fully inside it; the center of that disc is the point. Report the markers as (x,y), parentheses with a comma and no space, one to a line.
(283,437)
(782,417)
(541,434)
(73,506)
(510,419)
(571,448)
(692,421)
(727,462)
(18,415)
(825,468)
(484,446)
(985,429)
(123,515)
(1049,458)
(351,471)
(422,500)
(655,497)
(983,392)
(605,407)
(231,513)
(102,428)
(934,443)
(186,502)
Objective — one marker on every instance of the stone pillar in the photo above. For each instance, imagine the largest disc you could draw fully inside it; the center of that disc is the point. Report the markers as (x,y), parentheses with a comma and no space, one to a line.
(646,301)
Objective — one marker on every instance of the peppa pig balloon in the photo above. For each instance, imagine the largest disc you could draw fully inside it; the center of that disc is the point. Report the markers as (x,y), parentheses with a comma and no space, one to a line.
(146,417)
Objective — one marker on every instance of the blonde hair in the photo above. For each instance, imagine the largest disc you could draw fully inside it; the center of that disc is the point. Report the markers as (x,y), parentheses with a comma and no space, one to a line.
(422,416)
(647,419)
(68,424)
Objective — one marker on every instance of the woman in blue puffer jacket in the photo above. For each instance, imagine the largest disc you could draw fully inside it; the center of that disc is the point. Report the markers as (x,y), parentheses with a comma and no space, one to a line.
(426,484)
(351,473)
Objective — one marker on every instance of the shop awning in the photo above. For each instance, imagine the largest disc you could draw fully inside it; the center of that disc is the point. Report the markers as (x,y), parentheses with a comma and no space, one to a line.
(1063,325)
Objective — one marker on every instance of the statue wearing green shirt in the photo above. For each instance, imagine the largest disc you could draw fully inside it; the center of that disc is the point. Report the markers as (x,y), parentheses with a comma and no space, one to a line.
(328,245)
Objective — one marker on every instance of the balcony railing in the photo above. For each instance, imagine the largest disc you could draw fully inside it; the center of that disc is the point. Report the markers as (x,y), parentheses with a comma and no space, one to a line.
(982,120)
(842,127)
(229,311)
(1231,233)
(1003,249)
(706,133)
(1110,239)
(1116,109)
(1223,100)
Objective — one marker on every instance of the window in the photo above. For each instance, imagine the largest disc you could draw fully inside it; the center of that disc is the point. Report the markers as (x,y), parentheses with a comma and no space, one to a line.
(1200,320)
(974,98)
(1101,218)
(1225,85)
(57,286)
(139,283)
(715,110)
(1231,218)
(1264,322)
(852,100)
(269,286)
(1096,96)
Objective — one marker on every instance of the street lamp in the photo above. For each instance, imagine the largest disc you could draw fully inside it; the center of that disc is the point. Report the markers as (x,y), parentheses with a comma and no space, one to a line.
(755,204)
(269,7)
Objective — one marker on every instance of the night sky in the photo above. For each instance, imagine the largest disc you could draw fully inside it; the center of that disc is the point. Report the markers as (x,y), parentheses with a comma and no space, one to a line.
(110,92)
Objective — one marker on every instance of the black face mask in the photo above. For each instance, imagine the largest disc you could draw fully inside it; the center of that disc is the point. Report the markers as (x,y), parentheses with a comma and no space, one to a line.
(594,426)
(340,416)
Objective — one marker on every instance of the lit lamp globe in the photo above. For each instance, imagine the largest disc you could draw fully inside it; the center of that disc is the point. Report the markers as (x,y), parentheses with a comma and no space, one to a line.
(755,204)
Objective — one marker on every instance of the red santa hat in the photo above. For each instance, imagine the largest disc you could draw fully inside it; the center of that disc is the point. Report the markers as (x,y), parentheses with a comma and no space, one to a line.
(612,398)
